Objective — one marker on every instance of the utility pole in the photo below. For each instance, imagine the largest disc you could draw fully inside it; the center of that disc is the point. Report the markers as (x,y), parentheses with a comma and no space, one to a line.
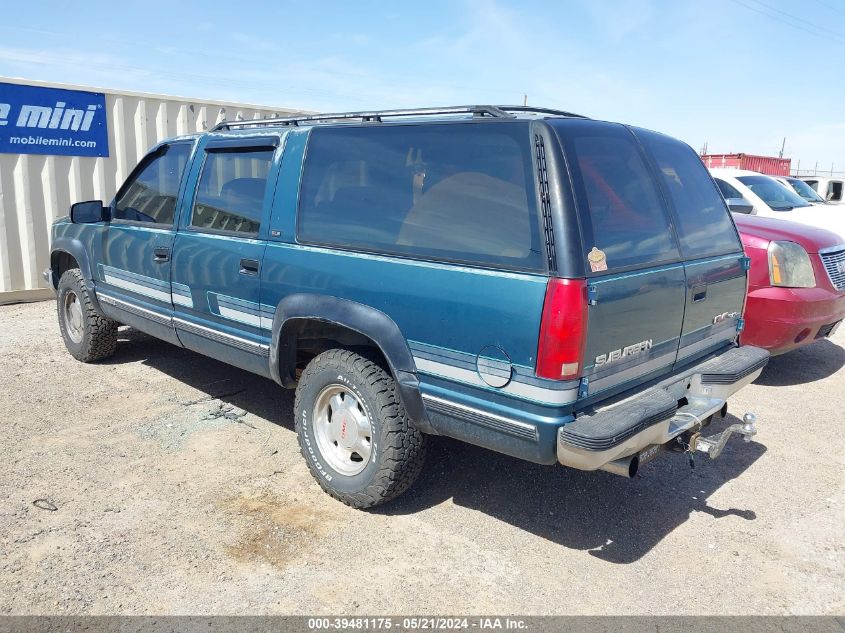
(524,100)
(782,147)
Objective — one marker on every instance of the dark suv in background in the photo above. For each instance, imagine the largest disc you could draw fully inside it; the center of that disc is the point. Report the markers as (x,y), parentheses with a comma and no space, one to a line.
(545,285)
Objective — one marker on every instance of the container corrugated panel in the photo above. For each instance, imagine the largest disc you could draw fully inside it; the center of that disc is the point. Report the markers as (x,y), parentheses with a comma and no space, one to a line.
(36,189)
(771,165)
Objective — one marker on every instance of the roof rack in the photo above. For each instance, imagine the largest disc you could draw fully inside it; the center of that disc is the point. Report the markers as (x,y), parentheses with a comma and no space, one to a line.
(533,110)
(377,116)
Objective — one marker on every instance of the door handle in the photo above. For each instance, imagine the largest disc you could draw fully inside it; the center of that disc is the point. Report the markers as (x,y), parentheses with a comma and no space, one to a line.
(699,294)
(249,267)
(161,254)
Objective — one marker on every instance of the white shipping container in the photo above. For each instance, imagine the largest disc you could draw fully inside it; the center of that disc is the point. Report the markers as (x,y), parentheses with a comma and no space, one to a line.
(36,189)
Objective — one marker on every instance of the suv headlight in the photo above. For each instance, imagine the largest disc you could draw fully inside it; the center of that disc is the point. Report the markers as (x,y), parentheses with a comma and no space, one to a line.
(790,266)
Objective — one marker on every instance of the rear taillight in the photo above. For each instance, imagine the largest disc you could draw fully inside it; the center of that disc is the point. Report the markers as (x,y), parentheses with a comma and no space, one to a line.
(563,330)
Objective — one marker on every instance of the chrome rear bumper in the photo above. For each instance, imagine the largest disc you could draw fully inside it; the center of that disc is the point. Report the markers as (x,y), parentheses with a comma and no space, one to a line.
(643,423)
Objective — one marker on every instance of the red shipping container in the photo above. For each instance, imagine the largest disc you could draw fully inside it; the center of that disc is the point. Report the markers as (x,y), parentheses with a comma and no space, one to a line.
(771,165)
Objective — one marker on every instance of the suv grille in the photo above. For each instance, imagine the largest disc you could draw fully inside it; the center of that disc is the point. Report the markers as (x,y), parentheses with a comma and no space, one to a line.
(834,264)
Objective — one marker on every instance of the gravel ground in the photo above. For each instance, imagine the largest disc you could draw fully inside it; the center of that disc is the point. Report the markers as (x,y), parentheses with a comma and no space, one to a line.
(164,505)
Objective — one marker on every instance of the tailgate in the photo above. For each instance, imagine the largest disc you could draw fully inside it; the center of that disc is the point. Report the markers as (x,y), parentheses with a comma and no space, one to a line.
(634,327)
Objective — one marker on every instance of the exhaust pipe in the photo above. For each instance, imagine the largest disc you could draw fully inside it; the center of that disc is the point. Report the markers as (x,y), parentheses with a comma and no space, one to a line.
(625,467)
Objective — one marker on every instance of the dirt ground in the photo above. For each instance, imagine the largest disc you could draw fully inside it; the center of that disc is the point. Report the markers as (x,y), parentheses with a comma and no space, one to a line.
(167,502)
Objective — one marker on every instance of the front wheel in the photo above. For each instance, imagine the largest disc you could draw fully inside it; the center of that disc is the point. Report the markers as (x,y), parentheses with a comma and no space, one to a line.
(88,335)
(358,441)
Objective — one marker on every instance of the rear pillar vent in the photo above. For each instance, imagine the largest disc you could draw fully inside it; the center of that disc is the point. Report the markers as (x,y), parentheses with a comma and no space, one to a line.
(545,201)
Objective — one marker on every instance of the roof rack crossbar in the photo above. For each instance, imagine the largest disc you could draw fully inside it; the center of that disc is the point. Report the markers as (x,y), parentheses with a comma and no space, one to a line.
(373,116)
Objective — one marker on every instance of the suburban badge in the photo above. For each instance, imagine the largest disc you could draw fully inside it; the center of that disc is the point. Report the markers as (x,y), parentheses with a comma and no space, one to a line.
(619,354)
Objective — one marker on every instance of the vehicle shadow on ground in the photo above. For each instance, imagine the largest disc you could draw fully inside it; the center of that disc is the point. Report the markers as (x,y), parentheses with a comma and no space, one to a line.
(805,364)
(615,519)
(214,380)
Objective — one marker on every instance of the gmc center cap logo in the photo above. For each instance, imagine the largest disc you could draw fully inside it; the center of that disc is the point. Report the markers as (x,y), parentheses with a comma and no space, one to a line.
(40,120)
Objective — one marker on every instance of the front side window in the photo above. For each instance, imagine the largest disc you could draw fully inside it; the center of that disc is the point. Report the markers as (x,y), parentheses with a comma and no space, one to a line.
(627,217)
(231,190)
(150,193)
(703,224)
(727,189)
(774,194)
(457,192)
(834,191)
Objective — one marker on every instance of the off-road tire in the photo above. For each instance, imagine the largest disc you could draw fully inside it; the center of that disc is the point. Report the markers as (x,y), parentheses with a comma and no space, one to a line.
(398,448)
(99,333)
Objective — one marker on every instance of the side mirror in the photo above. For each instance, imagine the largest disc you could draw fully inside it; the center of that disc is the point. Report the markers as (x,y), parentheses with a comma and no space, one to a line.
(739,205)
(89,212)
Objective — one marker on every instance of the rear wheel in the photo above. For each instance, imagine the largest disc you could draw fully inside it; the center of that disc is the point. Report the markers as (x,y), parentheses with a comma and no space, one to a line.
(88,335)
(358,441)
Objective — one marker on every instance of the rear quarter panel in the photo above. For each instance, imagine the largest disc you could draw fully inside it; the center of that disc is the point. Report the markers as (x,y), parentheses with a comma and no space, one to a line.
(453,307)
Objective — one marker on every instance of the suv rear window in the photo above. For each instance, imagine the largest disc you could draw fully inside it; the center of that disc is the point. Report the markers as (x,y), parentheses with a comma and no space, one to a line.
(457,192)
(628,221)
(703,224)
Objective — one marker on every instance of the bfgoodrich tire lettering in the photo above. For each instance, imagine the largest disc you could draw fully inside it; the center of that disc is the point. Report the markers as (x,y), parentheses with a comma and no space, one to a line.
(396,447)
(88,335)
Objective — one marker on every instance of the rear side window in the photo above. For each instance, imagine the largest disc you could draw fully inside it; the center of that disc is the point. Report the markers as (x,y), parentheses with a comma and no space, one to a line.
(628,221)
(704,225)
(457,192)
(231,190)
(149,195)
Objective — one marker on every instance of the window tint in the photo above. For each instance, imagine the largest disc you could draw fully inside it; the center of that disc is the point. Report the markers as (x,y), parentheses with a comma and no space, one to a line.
(629,222)
(703,224)
(150,195)
(230,194)
(727,189)
(459,192)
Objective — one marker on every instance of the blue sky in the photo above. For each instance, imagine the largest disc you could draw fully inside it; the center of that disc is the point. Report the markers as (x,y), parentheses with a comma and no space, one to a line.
(737,74)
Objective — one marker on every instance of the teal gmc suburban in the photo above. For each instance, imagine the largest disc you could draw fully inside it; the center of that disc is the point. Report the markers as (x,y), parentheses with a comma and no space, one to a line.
(556,288)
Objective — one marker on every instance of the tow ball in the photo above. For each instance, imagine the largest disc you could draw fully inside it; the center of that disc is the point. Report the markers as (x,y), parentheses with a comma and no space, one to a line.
(713,445)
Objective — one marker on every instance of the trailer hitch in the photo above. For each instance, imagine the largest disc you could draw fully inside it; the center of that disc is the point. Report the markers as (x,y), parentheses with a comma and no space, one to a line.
(713,445)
